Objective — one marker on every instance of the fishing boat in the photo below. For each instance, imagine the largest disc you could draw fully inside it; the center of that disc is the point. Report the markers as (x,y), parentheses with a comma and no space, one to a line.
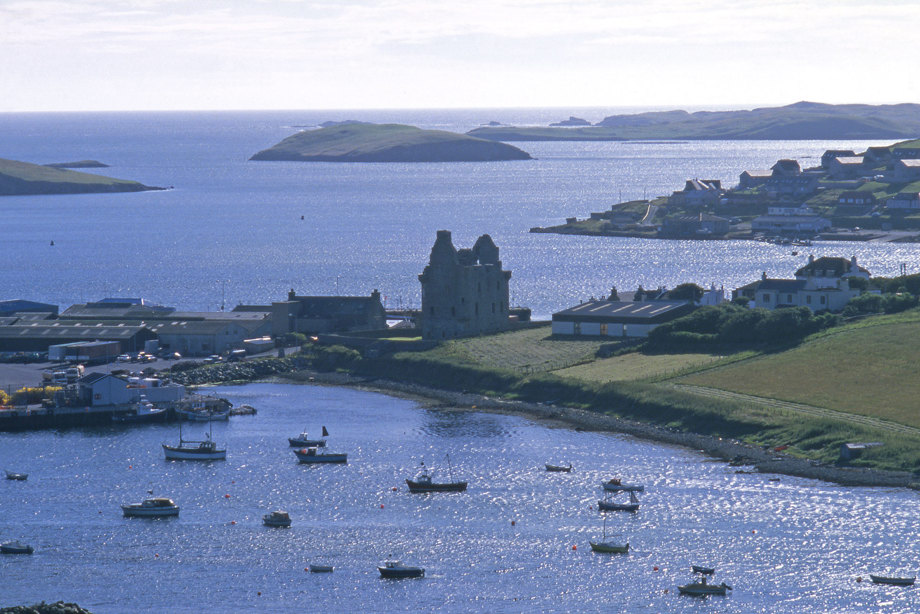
(320,568)
(203,415)
(892,580)
(157,507)
(613,547)
(277,518)
(303,440)
(559,468)
(702,588)
(606,505)
(395,569)
(424,482)
(615,485)
(205,450)
(143,411)
(313,456)
(12,475)
(16,547)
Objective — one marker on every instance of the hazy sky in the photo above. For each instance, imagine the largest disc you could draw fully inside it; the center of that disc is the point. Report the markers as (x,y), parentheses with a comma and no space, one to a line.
(335,54)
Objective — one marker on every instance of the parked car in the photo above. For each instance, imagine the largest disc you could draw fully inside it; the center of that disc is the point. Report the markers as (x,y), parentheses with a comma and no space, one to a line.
(123,358)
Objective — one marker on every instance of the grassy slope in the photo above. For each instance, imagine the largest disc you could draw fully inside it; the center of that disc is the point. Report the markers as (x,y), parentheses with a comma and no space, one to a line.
(26,178)
(380,141)
(635,366)
(868,369)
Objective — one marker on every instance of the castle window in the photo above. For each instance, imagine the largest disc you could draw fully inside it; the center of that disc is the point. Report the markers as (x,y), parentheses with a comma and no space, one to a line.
(493,307)
(453,312)
(432,311)
(477,309)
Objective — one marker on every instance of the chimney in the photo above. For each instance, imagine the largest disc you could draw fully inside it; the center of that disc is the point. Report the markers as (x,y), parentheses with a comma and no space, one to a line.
(764,276)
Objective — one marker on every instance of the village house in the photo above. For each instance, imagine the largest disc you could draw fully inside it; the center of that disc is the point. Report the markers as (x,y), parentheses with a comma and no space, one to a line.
(792,225)
(830,154)
(876,157)
(820,285)
(904,200)
(846,167)
(697,193)
(904,171)
(752,179)
(19,307)
(327,314)
(856,197)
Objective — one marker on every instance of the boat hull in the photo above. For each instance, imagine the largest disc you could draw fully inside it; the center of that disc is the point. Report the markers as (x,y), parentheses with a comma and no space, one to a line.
(320,568)
(421,487)
(402,572)
(130,418)
(892,581)
(606,506)
(623,487)
(701,590)
(296,442)
(558,468)
(20,477)
(176,453)
(131,512)
(16,550)
(609,548)
(305,458)
(281,524)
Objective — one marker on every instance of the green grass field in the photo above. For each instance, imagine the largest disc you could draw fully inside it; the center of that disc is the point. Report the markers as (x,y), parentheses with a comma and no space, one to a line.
(27,171)
(634,366)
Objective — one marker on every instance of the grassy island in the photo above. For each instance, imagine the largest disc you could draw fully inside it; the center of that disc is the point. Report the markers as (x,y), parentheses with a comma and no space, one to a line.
(359,142)
(23,178)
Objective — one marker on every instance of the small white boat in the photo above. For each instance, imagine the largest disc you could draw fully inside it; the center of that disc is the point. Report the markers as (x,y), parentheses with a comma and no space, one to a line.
(156,507)
(610,546)
(277,519)
(395,569)
(16,547)
(143,411)
(605,505)
(615,485)
(11,475)
(303,440)
(202,415)
(559,468)
(313,456)
(896,581)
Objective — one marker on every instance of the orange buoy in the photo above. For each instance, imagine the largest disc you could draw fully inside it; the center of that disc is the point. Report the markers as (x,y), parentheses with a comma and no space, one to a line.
(233,522)
(512,522)
(655,568)
(259,593)
(306,569)
(381,506)
(753,530)
(227,496)
(130,466)
(574,547)
(156,556)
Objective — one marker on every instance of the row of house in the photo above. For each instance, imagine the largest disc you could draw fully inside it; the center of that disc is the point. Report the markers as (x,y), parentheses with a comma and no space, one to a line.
(822,284)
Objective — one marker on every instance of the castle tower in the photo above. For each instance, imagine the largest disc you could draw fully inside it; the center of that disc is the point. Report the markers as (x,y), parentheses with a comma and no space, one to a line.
(464,292)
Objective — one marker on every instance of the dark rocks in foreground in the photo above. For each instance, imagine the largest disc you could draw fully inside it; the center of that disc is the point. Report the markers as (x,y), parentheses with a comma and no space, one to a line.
(59,607)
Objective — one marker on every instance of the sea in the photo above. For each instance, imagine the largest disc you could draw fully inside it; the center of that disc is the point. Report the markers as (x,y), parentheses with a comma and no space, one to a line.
(230,231)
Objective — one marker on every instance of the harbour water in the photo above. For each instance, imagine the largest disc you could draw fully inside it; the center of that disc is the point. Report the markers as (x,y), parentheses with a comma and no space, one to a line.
(231,229)
(516,541)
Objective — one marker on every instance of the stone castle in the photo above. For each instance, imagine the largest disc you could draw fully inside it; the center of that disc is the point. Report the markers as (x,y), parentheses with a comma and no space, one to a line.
(464,292)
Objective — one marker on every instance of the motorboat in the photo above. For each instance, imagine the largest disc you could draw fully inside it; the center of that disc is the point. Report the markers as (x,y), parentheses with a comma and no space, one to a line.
(277,519)
(615,485)
(395,569)
(303,440)
(143,411)
(702,588)
(609,546)
(908,581)
(424,482)
(203,415)
(606,505)
(312,455)
(559,468)
(320,568)
(21,477)
(16,547)
(156,507)
(204,450)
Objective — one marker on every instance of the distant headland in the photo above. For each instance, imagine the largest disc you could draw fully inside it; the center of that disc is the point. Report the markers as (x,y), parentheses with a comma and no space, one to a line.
(79,164)
(360,142)
(24,178)
(799,121)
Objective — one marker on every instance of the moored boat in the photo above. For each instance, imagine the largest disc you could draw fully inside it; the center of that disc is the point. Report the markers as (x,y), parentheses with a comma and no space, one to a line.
(896,581)
(156,507)
(277,518)
(205,450)
(559,468)
(424,482)
(703,570)
(395,569)
(609,546)
(15,547)
(143,411)
(303,440)
(320,568)
(12,475)
(615,485)
(203,415)
(312,455)
(703,588)
(605,505)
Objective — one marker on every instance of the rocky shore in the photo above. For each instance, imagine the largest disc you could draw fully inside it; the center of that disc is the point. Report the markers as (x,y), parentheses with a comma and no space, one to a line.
(58,607)
(746,456)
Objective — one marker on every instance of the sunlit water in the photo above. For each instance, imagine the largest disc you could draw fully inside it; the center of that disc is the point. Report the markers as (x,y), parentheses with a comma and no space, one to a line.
(793,545)
(232,229)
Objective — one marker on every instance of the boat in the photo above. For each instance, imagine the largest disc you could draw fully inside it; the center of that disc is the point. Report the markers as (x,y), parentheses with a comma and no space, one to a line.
(303,440)
(12,475)
(892,580)
(605,505)
(155,507)
(320,568)
(424,482)
(203,415)
(559,468)
(16,547)
(194,450)
(609,546)
(395,569)
(708,571)
(702,588)
(277,519)
(143,411)
(312,455)
(615,485)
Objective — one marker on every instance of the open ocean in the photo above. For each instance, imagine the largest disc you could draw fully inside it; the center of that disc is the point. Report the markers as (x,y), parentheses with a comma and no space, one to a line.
(231,226)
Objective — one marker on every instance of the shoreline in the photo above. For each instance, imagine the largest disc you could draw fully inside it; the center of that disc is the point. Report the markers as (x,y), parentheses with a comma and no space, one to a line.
(738,453)
(856,236)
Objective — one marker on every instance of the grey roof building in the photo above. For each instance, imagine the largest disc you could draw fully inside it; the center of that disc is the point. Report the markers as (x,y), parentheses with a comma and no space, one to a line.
(617,318)
(12,306)
(328,314)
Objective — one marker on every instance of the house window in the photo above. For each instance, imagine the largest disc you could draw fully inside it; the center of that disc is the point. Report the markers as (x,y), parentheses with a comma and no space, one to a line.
(808,299)
(576,328)
(477,309)
(788,298)
(823,300)
(493,307)
(603,330)
(766,298)
(432,311)
(453,312)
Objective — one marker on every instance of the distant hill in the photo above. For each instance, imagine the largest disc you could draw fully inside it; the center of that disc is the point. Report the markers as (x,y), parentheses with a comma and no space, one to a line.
(799,121)
(79,164)
(355,142)
(24,178)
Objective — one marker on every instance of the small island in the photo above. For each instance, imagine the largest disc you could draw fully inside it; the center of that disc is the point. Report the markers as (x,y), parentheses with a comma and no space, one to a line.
(799,121)
(24,178)
(357,142)
(79,164)
(572,121)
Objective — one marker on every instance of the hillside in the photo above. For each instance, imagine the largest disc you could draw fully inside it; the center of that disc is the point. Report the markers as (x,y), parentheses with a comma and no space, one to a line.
(387,143)
(802,120)
(23,178)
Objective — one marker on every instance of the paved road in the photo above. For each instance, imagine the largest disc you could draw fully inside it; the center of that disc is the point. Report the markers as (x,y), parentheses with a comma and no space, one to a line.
(810,410)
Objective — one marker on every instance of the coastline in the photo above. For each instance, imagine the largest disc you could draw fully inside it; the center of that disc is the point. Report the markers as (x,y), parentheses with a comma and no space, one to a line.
(744,455)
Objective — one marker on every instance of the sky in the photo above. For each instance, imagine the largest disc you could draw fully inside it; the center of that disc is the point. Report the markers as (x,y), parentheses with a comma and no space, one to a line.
(80,55)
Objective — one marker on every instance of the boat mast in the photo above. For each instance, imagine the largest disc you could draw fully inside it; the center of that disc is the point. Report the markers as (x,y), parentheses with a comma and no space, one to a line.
(450,468)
